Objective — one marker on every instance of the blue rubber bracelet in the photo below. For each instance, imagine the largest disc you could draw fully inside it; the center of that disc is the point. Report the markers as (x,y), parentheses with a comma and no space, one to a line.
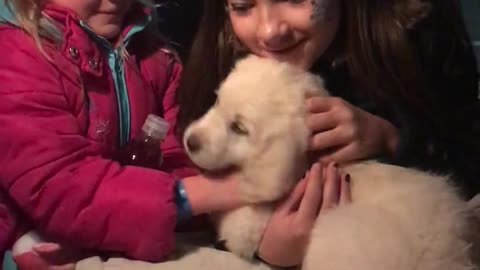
(184,210)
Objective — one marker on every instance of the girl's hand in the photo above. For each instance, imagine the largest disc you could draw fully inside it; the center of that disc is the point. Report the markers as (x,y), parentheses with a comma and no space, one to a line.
(208,194)
(343,132)
(49,256)
(286,236)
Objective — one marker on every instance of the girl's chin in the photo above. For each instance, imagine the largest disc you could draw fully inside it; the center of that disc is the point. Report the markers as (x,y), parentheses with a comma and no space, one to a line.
(295,58)
(105,26)
(109,31)
(295,61)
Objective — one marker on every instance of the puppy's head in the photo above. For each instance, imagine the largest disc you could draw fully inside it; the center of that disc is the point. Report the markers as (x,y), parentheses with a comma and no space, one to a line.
(220,139)
(258,122)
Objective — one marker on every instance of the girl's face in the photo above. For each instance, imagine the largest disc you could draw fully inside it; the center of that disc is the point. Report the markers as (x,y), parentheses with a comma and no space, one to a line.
(105,17)
(295,31)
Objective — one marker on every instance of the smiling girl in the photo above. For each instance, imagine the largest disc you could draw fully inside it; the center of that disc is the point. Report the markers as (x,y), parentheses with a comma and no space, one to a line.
(402,75)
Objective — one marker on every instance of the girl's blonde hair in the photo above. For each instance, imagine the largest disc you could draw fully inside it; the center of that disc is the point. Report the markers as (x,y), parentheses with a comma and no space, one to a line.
(29,17)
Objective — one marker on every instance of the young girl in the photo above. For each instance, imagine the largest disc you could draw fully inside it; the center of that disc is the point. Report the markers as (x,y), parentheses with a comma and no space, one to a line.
(402,72)
(78,78)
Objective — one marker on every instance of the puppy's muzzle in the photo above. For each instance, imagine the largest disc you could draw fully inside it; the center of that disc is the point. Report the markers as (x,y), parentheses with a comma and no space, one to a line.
(193,143)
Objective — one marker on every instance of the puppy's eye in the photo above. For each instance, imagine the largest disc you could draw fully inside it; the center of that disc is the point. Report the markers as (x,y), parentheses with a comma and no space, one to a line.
(238,128)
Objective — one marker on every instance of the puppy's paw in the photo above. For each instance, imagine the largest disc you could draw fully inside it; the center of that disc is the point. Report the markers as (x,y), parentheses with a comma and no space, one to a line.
(244,248)
(241,230)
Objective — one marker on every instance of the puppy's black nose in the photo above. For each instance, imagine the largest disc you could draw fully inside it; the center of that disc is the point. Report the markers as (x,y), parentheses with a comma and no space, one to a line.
(193,143)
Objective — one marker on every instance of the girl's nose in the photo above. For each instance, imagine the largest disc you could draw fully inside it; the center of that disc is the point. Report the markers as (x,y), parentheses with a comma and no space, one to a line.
(273,31)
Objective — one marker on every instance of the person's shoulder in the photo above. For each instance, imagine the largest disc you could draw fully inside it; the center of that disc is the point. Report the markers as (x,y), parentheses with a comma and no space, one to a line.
(17,44)
(11,35)
(153,42)
(157,59)
(23,66)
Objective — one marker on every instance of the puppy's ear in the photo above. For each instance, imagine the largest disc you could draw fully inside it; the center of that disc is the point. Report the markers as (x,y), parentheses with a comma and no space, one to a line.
(278,167)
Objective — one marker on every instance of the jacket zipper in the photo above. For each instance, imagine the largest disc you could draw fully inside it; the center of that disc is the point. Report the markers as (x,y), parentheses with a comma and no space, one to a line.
(115,62)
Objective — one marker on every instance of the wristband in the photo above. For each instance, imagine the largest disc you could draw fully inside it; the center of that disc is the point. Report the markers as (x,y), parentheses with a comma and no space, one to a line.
(184,210)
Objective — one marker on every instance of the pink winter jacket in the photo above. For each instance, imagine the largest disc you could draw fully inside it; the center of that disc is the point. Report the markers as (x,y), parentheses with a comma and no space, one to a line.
(60,123)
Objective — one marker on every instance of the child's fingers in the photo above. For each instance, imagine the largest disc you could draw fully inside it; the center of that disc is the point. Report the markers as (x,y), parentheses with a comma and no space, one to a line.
(312,199)
(56,254)
(346,192)
(51,252)
(318,104)
(293,200)
(331,191)
(46,248)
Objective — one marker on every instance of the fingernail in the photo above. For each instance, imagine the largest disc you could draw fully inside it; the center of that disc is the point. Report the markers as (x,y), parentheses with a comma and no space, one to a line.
(308,104)
(347,178)
(46,247)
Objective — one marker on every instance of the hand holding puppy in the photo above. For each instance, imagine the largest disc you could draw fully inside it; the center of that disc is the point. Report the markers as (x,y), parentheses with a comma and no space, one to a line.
(208,194)
(286,236)
(343,132)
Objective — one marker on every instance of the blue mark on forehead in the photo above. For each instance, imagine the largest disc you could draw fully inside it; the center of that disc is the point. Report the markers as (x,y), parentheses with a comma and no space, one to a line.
(319,10)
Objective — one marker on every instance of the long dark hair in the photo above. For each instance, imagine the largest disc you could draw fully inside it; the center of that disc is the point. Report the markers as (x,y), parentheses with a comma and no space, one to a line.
(388,48)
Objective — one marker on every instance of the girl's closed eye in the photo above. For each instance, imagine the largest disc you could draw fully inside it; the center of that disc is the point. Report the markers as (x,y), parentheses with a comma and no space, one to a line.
(240,7)
(294,1)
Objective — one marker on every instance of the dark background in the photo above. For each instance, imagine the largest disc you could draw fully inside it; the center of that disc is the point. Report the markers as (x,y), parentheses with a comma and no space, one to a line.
(178,21)
(472,18)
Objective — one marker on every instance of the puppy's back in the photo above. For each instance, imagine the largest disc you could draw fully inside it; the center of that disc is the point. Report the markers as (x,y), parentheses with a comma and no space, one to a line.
(425,206)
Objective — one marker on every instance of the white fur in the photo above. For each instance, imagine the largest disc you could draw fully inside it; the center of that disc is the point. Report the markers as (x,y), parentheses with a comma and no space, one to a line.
(26,243)
(400,219)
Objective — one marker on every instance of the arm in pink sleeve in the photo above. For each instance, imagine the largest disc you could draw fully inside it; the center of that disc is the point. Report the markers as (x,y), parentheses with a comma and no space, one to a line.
(176,160)
(57,178)
(8,223)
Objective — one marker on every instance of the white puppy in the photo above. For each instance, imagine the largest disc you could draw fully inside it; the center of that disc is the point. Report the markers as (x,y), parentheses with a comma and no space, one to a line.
(400,219)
